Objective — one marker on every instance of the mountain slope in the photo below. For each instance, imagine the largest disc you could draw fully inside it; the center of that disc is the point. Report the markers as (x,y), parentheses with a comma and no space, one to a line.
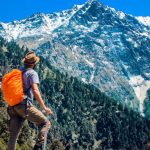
(95,43)
(84,118)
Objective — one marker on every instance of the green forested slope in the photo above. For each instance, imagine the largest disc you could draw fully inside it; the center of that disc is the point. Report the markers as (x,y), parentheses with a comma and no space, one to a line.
(84,118)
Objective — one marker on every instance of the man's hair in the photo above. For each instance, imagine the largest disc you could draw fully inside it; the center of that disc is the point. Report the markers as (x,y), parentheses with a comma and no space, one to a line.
(28,65)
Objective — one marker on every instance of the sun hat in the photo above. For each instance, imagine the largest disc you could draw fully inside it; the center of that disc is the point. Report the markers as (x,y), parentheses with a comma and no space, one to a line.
(30,58)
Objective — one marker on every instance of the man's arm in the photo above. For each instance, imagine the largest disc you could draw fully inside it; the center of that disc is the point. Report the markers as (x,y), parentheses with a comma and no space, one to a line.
(38,97)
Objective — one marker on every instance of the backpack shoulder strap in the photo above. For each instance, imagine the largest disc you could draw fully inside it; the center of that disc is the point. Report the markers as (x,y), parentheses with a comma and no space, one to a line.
(27,90)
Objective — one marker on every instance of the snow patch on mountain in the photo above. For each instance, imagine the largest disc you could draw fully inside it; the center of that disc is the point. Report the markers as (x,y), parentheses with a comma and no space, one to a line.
(86,29)
(10,31)
(144,20)
(92,77)
(84,80)
(121,15)
(140,86)
(91,64)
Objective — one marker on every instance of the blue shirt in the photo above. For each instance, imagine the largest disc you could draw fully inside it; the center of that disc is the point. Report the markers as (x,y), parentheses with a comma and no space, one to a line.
(30,76)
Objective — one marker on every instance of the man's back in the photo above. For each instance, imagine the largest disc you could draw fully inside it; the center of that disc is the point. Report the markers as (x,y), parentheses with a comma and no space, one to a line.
(30,76)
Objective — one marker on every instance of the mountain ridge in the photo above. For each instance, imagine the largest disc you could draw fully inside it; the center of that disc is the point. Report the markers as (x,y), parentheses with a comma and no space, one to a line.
(144,20)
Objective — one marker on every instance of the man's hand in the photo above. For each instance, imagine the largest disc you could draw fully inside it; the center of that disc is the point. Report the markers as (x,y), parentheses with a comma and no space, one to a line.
(48,111)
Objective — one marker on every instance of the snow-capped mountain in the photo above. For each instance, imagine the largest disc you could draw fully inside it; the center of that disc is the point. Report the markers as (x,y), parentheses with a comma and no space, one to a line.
(36,25)
(101,46)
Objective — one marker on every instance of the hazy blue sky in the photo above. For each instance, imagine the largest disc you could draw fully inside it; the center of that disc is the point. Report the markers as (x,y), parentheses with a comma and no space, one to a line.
(19,9)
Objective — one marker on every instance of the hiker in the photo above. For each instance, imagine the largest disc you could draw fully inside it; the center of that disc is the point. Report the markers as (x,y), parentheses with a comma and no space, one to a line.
(26,109)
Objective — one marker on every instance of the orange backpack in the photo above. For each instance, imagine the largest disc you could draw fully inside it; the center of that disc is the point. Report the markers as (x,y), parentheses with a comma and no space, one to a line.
(12,87)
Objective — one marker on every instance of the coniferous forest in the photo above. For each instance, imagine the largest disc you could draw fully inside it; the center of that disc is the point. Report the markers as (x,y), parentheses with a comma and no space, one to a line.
(84,118)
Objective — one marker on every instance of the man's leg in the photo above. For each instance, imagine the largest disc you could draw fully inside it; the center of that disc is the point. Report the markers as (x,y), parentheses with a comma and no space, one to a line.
(15,125)
(37,117)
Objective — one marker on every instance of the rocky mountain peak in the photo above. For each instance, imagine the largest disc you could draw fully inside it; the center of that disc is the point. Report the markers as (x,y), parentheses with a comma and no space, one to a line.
(90,2)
